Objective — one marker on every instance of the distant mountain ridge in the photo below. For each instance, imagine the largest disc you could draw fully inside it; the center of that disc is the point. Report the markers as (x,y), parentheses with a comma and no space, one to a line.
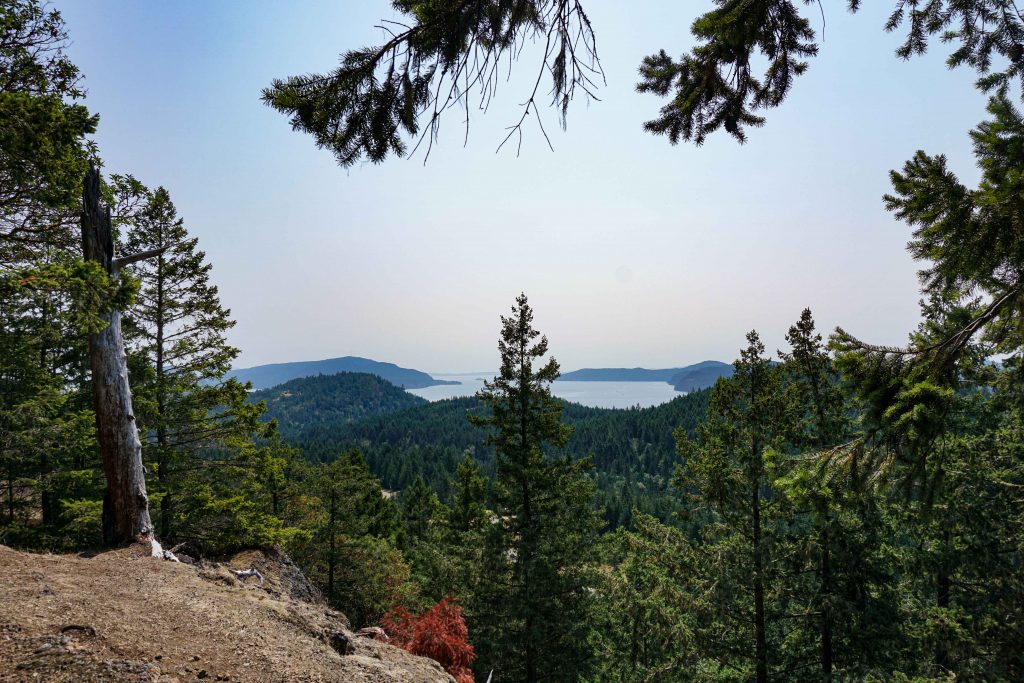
(700,376)
(266,376)
(618,375)
(689,378)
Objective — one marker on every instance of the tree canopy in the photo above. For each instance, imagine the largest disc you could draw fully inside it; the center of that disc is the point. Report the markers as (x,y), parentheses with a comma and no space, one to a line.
(441,55)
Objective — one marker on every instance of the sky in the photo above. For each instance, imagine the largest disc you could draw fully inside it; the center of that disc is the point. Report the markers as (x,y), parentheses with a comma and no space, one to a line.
(633,252)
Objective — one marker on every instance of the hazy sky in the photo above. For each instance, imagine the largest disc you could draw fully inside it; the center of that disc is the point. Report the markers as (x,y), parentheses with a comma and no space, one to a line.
(633,252)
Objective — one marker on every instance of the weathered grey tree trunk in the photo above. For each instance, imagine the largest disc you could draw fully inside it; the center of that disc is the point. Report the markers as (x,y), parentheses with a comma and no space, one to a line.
(126,506)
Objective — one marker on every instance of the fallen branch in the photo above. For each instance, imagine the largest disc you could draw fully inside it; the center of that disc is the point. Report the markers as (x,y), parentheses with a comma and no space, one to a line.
(245,573)
(157,550)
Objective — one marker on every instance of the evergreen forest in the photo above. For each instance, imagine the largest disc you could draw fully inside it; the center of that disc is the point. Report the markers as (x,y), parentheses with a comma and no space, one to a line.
(833,510)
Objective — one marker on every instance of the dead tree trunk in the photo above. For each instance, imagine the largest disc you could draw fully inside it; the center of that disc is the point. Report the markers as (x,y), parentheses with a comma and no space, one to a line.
(126,506)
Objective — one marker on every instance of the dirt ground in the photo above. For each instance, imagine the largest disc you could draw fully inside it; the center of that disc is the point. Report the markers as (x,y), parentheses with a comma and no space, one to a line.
(124,616)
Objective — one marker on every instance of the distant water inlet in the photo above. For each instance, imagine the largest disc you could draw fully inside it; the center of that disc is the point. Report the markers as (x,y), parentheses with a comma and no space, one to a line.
(593,394)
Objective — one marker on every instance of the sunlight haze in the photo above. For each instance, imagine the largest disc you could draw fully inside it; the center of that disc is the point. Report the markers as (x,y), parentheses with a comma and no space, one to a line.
(633,252)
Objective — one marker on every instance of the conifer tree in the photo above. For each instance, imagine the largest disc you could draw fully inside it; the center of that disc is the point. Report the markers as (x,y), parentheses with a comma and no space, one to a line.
(531,611)
(419,506)
(44,152)
(746,58)
(725,470)
(49,297)
(820,424)
(972,243)
(928,424)
(835,576)
(46,417)
(424,541)
(469,495)
(351,553)
(448,560)
(192,414)
(915,399)
(923,405)
(649,600)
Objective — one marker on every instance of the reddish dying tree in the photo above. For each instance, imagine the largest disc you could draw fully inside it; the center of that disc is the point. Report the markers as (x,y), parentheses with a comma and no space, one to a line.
(439,633)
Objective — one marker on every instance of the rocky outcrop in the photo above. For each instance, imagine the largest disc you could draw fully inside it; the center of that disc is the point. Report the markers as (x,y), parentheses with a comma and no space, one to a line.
(125,616)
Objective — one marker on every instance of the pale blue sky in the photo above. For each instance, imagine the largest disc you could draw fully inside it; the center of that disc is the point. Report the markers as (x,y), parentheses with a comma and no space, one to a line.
(633,252)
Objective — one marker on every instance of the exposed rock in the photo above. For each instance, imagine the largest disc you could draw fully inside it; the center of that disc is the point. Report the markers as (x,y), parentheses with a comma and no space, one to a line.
(375,632)
(281,576)
(341,643)
(124,616)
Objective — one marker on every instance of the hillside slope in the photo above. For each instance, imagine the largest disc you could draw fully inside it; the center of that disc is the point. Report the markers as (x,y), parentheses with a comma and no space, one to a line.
(310,403)
(124,616)
(621,440)
(700,376)
(266,376)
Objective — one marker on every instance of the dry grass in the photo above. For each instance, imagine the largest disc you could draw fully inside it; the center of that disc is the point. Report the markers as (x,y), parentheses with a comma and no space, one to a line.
(123,616)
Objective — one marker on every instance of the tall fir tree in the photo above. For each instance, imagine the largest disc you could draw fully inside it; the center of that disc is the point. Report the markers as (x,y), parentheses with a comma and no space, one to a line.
(819,424)
(531,618)
(725,472)
(194,418)
(833,573)
(448,561)
(49,298)
(924,405)
(351,553)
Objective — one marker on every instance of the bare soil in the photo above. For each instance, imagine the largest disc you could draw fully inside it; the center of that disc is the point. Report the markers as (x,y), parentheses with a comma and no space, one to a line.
(124,616)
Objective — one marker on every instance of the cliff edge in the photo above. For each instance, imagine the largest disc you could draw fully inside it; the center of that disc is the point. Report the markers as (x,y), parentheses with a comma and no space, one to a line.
(124,616)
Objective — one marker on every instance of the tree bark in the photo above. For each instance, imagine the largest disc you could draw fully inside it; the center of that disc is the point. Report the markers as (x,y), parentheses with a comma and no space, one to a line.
(126,505)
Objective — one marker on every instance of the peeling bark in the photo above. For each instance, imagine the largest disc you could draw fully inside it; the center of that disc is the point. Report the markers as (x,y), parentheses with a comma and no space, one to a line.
(126,505)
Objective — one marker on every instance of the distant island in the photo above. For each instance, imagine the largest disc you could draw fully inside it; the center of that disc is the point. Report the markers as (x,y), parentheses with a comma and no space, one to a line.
(267,376)
(700,375)
(689,378)
(619,375)
(308,405)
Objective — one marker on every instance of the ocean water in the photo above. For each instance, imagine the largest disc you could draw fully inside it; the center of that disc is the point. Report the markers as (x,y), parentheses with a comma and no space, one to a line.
(593,394)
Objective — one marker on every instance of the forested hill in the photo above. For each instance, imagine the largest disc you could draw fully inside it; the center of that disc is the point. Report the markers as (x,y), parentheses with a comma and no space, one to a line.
(689,378)
(700,376)
(266,376)
(326,401)
(633,449)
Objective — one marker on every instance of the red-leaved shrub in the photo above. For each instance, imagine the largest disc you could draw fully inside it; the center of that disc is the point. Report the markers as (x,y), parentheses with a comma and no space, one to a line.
(439,633)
